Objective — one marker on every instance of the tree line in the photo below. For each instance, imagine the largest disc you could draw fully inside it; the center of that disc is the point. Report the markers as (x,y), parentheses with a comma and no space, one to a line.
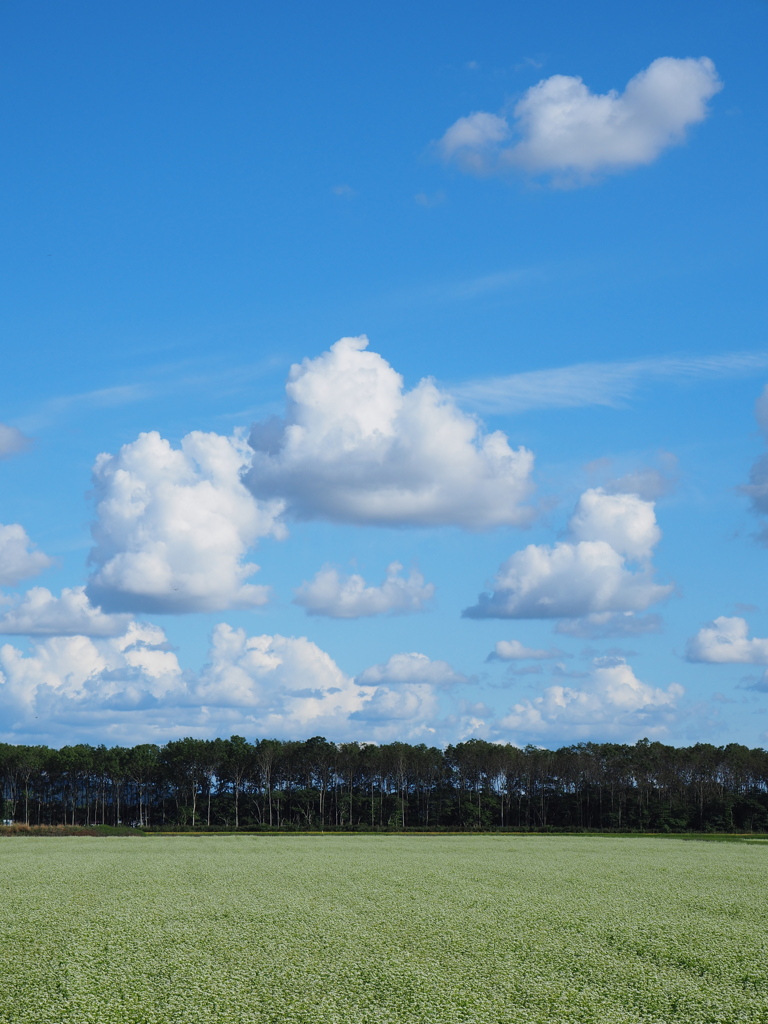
(316,784)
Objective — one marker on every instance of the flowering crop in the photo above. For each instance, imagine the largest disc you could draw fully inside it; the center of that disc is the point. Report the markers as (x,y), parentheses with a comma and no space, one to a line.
(384,929)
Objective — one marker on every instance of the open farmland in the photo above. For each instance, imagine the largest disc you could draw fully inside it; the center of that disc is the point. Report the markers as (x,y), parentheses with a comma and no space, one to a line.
(382,929)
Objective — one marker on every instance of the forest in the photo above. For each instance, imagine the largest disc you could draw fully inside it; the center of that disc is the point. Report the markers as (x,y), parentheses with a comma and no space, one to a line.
(315,784)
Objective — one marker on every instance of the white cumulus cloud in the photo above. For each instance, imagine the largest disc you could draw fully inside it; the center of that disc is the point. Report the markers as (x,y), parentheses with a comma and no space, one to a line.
(132,686)
(406,689)
(288,684)
(727,641)
(559,127)
(173,526)
(415,704)
(18,557)
(402,669)
(625,521)
(76,675)
(356,447)
(601,625)
(39,612)
(348,597)
(587,575)
(514,650)
(612,702)
(129,688)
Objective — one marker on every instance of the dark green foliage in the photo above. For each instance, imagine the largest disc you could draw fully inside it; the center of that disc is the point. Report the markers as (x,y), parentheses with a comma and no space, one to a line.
(202,785)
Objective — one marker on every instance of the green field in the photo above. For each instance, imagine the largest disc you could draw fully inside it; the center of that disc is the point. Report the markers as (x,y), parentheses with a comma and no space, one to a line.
(382,929)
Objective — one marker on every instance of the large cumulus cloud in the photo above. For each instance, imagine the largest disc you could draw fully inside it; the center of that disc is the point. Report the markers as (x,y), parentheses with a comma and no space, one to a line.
(356,447)
(590,574)
(560,128)
(173,526)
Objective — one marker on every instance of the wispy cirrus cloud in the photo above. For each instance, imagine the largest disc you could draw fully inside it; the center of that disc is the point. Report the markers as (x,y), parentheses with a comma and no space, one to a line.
(57,408)
(185,376)
(607,384)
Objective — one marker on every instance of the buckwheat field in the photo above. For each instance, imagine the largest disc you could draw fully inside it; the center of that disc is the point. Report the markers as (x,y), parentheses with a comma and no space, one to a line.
(357,929)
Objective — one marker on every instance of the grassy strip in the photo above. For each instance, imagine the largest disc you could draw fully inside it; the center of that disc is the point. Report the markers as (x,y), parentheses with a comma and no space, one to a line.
(68,830)
(125,830)
(705,837)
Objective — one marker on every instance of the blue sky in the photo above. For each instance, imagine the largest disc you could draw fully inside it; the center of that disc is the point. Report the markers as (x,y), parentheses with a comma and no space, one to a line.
(550,225)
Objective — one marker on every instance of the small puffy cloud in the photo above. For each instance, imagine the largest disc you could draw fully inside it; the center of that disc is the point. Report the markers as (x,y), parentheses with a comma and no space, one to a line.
(761,411)
(173,526)
(406,689)
(560,128)
(356,447)
(415,703)
(613,703)
(566,581)
(39,613)
(625,521)
(588,575)
(521,670)
(726,642)
(757,488)
(429,200)
(649,482)
(349,598)
(411,668)
(12,441)
(602,625)
(474,142)
(757,685)
(560,671)
(18,557)
(513,650)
